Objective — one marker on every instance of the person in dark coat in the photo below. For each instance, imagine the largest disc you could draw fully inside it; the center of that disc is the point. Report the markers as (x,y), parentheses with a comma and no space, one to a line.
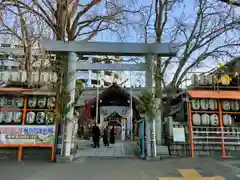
(167,142)
(105,136)
(95,135)
(112,136)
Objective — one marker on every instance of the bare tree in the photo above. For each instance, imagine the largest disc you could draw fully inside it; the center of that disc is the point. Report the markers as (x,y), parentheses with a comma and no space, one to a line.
(207,31)
(71,19)
(25,29)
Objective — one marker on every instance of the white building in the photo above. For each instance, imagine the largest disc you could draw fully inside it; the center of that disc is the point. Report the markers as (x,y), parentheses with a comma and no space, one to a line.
(94,78)
(11,62)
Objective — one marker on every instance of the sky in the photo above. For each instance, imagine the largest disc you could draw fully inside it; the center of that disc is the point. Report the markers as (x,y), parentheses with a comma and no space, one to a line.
(189,10)
(132,36)
(138,78)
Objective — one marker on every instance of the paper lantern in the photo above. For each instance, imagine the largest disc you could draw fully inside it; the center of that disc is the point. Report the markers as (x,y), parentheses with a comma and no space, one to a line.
(226,105)
(19,101)
(42,101)
(2,101)
(214,120)
(234,105)
(196,119)
(32,102)
(211,79)
(203,79)
(1,117)
(194,79)
(51,102)
(17,117)
(195,104)
(50,117)
(205,119)
(227,120)
(204,104)
(213,104)
(30,117)
(40,117)
(7,117)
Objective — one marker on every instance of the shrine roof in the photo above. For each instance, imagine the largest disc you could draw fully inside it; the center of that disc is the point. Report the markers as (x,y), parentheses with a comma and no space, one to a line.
(114,92)
(214,94)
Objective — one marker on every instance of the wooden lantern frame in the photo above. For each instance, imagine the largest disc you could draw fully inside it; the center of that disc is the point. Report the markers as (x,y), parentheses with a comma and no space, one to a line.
(210,94)
(25,93)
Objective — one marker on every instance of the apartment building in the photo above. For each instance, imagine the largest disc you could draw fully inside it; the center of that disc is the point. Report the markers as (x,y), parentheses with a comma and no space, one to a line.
(94,78)
(91,78)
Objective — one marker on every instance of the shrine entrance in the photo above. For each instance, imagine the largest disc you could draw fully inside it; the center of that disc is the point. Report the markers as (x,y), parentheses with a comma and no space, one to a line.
(116,121)
(118,111)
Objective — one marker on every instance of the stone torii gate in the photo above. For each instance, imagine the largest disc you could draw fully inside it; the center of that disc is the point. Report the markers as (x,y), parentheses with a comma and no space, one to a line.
(105,48)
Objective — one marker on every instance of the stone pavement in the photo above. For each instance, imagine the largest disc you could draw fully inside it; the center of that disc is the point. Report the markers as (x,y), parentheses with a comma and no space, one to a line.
(100,168)
(119,149)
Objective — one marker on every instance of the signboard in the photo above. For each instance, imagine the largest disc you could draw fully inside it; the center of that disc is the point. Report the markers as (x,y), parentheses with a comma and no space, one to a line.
(18,134)
(178,135)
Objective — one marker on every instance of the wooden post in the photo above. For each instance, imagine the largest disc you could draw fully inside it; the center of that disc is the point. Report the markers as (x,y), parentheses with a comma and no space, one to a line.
(20,150)
(221,128)
(24,110)
(190,129)
(20,153)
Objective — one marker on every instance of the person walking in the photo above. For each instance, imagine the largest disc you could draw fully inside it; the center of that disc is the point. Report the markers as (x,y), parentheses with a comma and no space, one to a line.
(96,135)
(105,136)
(112,136)
(167,142)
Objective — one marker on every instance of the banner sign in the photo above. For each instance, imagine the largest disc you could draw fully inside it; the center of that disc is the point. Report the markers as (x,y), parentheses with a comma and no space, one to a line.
(178,135)
(18,134)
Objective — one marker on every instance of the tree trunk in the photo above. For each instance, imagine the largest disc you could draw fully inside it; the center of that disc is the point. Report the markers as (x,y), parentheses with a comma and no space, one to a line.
(158,102)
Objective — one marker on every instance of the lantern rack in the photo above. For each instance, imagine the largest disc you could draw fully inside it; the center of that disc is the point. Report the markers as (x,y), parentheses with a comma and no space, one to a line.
(23,120)
(209,139)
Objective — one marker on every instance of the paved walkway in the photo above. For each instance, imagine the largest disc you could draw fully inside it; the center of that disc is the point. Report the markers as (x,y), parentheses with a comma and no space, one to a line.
(119,149)
(96,168)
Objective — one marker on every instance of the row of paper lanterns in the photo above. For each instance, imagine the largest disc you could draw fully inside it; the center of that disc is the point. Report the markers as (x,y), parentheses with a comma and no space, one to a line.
(203,79)
(211,104)
(213,119)
(21,76)
(34,101)
(32,117)
(210,79)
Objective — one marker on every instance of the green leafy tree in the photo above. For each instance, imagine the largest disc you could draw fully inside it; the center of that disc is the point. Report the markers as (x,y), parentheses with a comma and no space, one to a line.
(78,90)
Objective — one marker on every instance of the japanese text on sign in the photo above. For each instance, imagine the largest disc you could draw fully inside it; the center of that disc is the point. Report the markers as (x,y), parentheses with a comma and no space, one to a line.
(27,130)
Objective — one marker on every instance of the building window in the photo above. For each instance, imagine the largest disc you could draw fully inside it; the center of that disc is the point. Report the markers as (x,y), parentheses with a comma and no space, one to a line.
(35,57)
(4,56)
(107,83)
(82,70)
(96,60)
(17,56)
(95,71)
(5,45)
(107,61)
(116,76)
(84,58)
(18,46)
(95,82)
(108,73)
